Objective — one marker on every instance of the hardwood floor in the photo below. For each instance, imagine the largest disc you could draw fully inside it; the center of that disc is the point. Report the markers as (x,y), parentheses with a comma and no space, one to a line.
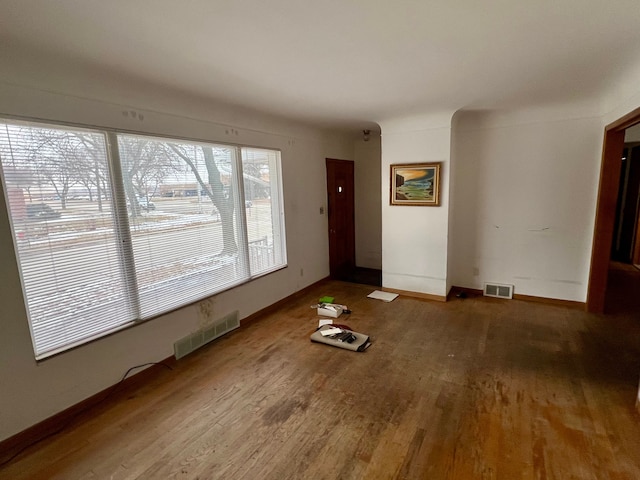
(475,388)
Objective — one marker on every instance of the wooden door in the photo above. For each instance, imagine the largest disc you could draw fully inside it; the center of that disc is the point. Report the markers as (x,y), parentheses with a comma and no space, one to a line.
(341,212)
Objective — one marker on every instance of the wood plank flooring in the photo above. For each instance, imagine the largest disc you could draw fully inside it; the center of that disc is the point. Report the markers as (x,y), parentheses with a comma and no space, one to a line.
(475,388)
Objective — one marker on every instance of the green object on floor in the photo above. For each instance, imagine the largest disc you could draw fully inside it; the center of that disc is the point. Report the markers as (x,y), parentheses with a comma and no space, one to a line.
(326,299)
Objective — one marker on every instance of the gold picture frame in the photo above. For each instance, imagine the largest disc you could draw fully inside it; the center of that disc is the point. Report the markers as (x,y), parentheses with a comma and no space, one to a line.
(415,184)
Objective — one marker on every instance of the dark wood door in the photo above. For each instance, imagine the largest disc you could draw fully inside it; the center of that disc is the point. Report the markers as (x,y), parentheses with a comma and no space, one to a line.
(340,201)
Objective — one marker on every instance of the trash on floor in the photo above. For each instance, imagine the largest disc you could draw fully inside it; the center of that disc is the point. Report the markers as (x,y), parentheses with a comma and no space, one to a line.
(329,310)
(384,296)
(325,321)
(341,337)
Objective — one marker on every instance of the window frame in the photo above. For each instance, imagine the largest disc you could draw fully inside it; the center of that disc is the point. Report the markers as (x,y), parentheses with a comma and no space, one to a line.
(122,230)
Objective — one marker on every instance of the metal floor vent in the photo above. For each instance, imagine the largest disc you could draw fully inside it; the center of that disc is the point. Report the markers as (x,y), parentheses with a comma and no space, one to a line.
(497,290)
(192,342)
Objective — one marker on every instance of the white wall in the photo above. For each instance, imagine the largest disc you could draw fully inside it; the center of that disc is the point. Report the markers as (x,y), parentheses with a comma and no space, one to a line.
(520,210)
(34,391)
(524,202)
(414,239)
(367,203)
(632,134)
(624,96)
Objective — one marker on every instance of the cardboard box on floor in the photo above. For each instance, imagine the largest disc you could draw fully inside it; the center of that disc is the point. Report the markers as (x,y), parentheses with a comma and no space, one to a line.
(329,310)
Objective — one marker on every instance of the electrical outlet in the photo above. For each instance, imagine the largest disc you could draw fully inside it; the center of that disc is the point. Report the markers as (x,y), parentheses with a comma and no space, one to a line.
(302,272)
(321,210)
(476,271)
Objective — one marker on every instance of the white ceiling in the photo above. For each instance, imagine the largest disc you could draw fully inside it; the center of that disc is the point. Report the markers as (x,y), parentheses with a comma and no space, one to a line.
(344,62)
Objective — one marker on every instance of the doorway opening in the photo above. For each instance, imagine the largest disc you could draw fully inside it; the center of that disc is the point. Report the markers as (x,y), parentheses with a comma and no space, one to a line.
(341,219)
(625,247)
(607,281)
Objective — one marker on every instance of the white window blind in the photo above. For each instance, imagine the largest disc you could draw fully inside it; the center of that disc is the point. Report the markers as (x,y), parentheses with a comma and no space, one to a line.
(188,243)
(105,242)
(57,186)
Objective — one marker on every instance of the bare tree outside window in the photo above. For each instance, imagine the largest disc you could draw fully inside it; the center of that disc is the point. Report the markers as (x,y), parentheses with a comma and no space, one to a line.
(186,235)
(220,195)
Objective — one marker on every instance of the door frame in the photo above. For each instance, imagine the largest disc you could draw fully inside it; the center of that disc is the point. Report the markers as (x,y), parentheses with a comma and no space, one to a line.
(612,148)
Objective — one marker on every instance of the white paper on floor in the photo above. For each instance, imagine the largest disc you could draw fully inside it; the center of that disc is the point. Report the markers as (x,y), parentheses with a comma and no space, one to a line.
(384,296)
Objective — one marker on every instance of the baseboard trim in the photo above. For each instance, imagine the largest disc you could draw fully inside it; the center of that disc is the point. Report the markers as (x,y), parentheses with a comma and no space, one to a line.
(526,298)
(15,444)
(20,441)
(455,291)
(274,306)
(552,301)
(420,295)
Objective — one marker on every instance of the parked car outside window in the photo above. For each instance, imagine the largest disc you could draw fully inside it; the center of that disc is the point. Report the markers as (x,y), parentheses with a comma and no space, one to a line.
(41,211)
(146,204)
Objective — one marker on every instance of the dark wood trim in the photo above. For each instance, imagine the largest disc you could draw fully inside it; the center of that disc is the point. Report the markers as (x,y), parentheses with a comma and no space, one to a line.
(22,440)
(51,425)
(629,120)
(437,379)
(280,303)
(525,298)
(454,291)
(612,148)
(605,218)
(551,301)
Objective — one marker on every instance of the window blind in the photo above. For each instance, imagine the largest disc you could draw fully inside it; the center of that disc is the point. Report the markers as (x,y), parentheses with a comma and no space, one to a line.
(57,184)
(111,229)
(186,226)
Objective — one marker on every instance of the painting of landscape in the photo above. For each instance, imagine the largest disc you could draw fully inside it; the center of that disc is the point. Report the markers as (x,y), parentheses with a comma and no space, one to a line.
(415,184)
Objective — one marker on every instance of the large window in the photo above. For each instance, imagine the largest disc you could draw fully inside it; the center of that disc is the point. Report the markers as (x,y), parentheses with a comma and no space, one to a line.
(112,229)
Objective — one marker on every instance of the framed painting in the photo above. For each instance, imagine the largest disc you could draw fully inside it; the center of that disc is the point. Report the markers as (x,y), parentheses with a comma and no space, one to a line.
(415,184)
